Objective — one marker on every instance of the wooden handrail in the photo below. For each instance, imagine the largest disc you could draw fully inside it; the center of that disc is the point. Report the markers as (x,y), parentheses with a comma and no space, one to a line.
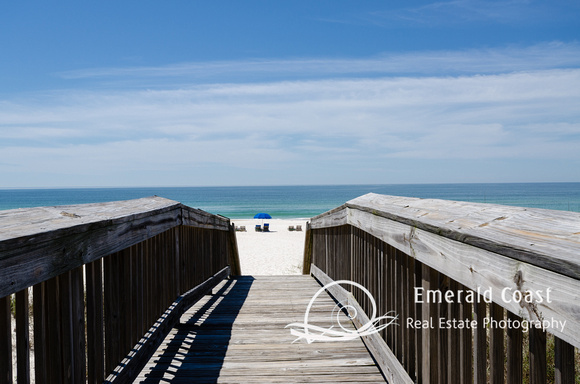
(410,245)
(124,263)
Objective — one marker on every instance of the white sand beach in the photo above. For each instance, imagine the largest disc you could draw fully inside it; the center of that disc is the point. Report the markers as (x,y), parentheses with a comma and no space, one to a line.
(278,252)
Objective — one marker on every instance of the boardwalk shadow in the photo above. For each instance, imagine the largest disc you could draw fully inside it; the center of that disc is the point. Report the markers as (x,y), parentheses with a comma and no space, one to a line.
(197,350)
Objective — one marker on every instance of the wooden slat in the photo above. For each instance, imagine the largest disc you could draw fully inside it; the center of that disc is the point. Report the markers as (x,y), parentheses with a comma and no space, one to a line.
(127,369)
(112,311)
(22,338)
(510,231)
(62,238)
(514,352)
(419,316)
(95,333)
(454,360)
(54,361)
(79,374)
(564,356)
(496,348)
(466,365)
(66,327)
(479,344)
(5,341)
(538,370)
(475,267)
(40,333)
(237,335)
(307,259)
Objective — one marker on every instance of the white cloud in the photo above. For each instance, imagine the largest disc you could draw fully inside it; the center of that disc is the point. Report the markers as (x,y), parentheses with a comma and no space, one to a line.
(314,130)
(481,61)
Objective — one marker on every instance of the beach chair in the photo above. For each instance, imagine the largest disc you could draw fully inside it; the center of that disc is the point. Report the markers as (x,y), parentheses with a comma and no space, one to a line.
(266,228)
(291,228)
(299,228)
(258,228)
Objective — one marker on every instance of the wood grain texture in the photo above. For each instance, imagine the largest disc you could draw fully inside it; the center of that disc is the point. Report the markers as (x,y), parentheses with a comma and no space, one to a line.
(476,267)
(237,334)
(37,244)
(545,238)
(385,358)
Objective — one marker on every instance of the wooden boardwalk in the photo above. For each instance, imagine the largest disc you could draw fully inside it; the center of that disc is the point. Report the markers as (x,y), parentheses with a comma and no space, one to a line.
(237,334)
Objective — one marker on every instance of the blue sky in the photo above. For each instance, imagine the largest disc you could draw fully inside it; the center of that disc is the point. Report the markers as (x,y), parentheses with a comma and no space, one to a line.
(173,93)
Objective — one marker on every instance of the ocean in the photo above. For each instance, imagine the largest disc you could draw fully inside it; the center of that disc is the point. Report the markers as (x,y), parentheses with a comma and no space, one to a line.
(303,201)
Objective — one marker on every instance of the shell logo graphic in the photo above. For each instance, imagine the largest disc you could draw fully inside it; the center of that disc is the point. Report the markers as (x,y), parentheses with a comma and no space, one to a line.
(312,333)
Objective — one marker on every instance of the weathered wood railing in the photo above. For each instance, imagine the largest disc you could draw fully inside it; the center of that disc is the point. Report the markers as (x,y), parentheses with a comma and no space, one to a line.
(407,251)
(106,280)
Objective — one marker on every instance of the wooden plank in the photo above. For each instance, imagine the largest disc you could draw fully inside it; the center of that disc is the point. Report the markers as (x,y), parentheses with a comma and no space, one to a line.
(544,238)
(237,334)
(58,244)
(564,364)
(419,316)
(40,333)
(233,254)
(538,369)
(514,352)
(307,259)
(466,365)
(22,337)
(478,268)
(130,366)
(454,360)
(479,344)
(95,334)
(386,359)
(62,238)
(5,341)
(333,218)
(433,353)
(66,327)
(54,361)
(496,348)
(112,311)
(79,374)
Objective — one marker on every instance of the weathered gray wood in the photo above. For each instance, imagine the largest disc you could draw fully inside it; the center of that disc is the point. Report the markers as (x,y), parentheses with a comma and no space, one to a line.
(307,260)
(466,364)
(564,364)
(22,337)
(40,333)
(479,345)
(475,267)
(496,349)
(233,255)
(538,370)
(95,333)
(237,334)
(386,359)
(545,238)
(5,341)
(39,243)
(514,352)
(333,218)
(131,365)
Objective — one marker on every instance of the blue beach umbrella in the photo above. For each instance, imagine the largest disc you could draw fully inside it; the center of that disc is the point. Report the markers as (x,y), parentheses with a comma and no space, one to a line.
(262,216)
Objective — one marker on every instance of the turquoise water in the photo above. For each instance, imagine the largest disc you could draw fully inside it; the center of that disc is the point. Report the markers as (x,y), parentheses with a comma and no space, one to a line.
(303,201)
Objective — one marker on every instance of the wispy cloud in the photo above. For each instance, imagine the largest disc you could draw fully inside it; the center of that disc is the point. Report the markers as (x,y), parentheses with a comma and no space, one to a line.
(460,12)
(357,129)
(475,61)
